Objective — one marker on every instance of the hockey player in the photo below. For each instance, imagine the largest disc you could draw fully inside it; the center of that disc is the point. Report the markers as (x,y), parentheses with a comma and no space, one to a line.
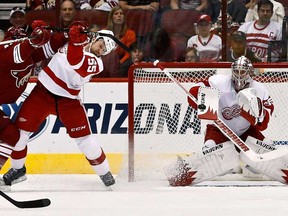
(16,62)
(57,92)
(245,106)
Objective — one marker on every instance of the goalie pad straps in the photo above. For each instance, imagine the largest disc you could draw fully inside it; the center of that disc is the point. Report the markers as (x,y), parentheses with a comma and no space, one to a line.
(251,105)
(217,160)
(259,146)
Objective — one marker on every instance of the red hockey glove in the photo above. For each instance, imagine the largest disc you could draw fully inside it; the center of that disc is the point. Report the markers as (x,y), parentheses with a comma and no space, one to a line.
(38,23)
(15,33)
(39,36)
(194,92)
(79,23)
(77,35)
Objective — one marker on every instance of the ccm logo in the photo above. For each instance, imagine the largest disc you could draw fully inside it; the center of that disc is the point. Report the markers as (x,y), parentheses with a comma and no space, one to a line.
(78,128)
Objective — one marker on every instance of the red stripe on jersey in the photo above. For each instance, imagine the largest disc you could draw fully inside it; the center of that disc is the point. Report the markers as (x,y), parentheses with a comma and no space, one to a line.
(257,35)
(60,82)
(257,40)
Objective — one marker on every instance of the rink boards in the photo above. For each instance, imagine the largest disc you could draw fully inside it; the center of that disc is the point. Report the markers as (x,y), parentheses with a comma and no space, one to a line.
(52,151)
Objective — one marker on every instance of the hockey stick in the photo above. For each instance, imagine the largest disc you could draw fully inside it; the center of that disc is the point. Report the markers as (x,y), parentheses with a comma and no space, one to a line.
(123,46)
(13,41)
(40,203)
(227,131)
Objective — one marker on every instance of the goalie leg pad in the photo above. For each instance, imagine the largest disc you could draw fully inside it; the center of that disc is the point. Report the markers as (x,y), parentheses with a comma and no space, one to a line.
(276,169)
(259,147)
(218,160)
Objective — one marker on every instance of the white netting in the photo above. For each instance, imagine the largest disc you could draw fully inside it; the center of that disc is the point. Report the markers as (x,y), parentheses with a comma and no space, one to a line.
(165,126)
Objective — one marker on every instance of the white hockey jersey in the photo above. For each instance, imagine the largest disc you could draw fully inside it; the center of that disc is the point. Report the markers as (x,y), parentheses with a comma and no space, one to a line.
(229,110)
(69,69)
(209,49)
(259,37)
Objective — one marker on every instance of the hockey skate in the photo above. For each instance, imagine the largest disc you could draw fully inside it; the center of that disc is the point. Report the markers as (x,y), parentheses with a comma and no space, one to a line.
(14,176)
(108,179)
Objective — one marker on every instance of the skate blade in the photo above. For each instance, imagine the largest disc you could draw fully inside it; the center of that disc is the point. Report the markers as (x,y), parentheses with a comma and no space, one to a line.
(20,179)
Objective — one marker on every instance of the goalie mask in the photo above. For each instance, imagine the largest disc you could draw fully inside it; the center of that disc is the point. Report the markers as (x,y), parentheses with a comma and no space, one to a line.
(109,42)
(241,70)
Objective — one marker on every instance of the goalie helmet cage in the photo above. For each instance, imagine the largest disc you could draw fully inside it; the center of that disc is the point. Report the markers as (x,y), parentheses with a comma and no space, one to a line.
(163,126)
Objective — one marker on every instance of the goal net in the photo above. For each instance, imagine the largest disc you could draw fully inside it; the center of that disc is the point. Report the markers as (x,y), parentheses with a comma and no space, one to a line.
(162,125)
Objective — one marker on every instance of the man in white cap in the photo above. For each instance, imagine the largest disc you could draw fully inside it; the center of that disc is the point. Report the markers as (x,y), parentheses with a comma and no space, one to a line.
(18,18)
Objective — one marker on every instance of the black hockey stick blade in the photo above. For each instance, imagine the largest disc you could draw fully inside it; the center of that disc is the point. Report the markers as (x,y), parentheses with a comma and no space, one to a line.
(40,203)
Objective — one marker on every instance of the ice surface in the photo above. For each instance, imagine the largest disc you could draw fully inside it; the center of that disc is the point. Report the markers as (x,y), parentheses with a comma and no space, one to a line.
(85,195)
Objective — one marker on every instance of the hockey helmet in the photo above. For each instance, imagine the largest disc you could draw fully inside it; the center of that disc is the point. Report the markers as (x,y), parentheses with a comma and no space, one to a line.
(242,68)
(109,42)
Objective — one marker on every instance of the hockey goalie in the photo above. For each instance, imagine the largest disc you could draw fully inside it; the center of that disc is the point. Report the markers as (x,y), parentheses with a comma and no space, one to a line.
(245,106)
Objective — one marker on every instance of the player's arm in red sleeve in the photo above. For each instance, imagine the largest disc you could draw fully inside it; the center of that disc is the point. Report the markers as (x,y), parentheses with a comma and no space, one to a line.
(17,53)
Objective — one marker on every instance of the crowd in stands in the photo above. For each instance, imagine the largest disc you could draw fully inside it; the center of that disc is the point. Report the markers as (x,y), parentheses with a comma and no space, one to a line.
(251,25)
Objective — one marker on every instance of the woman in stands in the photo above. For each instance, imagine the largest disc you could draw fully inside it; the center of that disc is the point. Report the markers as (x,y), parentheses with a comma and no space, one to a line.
(117,24)
(207,44)
(150,5)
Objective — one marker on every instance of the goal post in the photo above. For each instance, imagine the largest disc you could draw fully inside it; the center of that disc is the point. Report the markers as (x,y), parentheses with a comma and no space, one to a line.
(161,123)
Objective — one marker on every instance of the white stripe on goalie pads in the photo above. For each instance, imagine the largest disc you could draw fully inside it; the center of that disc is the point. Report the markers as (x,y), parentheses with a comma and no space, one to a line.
(217,160)
(276,169)
(208,103)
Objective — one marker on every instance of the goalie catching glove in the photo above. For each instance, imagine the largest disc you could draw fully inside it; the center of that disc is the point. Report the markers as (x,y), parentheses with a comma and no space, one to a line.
(251,106)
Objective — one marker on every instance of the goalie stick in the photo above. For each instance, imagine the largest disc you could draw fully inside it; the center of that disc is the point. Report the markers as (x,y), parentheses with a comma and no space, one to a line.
(40,203)
(269,156)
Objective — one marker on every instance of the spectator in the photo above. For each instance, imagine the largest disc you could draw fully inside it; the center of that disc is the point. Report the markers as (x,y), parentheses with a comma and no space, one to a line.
(231,26)
(213,9)
(106,5)
(205,42)
(252,14)
(237,10)
(263,30)
(117,24)
(67,12)
(136,56)
(161,47)
(239,48)
(35,4)
(199,5)
(191,55)
(151,5)
(18,19)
